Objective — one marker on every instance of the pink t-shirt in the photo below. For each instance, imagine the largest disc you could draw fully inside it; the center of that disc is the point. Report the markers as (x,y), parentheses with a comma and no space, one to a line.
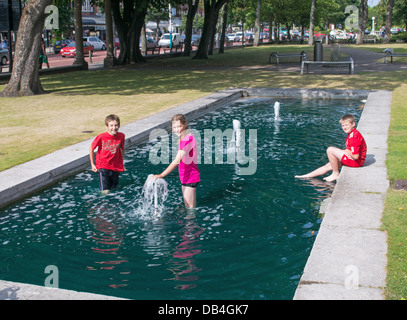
(188,170)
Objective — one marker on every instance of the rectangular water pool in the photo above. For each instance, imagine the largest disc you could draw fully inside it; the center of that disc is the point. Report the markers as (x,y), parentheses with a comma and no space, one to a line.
(249,237)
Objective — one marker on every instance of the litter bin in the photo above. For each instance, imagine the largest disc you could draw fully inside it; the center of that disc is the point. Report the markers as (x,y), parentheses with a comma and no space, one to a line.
(318,51)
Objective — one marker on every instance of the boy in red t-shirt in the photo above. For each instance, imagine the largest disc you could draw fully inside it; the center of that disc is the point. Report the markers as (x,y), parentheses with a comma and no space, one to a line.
(109,157)
(353,156)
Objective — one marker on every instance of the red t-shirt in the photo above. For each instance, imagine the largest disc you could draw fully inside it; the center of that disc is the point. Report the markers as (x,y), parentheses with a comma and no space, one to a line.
(110,151)
(356,143)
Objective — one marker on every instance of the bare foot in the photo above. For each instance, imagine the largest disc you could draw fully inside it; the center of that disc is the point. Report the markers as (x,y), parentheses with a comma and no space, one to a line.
(332,177)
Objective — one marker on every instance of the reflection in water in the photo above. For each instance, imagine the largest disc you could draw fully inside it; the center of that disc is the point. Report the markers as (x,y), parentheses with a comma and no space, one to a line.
(183,263)
(107,238)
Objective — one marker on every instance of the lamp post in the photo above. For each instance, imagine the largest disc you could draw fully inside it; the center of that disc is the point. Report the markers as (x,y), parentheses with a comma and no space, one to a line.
(373,30)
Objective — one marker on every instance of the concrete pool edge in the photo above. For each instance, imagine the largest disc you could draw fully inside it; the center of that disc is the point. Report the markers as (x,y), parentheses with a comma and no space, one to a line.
(20,181)
(22,291)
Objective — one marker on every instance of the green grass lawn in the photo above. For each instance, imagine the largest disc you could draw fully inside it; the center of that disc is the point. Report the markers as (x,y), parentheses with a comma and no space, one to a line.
(34,126)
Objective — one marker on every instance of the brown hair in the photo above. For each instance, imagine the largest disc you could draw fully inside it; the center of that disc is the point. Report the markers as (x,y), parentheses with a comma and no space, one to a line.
(112,117)
(348,117)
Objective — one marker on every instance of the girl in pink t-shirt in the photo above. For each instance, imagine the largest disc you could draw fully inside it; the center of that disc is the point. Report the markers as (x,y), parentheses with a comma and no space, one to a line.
(186,160)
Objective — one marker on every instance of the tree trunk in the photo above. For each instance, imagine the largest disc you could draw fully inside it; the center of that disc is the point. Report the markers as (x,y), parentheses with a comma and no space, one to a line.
(79,56)
(110,60)
(192,8)
(257,25)
(129,19)
(389,17)
(311,23)
(363,13)
(212,37)
(224,25)
(211,9)
(25,80)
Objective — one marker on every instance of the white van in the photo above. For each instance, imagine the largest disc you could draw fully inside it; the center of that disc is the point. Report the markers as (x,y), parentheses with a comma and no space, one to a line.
(165,40)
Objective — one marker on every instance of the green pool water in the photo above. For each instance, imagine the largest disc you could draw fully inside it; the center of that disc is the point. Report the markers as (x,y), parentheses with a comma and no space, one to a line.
(249,237)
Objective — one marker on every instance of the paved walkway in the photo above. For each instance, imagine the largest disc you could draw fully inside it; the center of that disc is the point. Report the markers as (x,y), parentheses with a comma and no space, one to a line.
(364,60)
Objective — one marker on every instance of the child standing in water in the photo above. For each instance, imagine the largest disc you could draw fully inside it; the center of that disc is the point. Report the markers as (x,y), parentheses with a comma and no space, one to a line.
(109,157)
(353,156)
(186,160)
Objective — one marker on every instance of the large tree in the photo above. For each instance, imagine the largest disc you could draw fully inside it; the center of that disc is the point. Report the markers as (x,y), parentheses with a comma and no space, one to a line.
(79,55)
(389,16)
(211,8)
(363,14)
(25,80)
(192,9)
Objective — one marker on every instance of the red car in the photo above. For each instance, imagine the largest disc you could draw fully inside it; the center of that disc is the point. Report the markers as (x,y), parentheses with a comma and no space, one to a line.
(69,50)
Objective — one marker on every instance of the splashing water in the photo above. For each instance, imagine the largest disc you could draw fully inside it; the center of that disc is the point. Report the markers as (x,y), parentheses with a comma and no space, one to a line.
(155,192)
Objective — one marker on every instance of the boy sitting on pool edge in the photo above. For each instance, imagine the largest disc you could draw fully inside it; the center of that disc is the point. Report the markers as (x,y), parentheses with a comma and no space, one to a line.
(353,156)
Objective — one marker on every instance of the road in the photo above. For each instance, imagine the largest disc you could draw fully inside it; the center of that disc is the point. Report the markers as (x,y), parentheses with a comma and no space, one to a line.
(56,60)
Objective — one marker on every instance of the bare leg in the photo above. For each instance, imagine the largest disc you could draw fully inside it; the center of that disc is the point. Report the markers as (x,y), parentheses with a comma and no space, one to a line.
(334,156)
(317,172)
(189,195)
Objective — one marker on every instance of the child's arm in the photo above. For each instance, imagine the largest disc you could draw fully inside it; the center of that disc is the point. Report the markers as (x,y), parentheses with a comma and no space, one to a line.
(173,164)
(92,157)
(354,156)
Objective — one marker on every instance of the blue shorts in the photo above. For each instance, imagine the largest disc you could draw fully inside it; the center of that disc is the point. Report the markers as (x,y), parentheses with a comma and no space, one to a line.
(108,179)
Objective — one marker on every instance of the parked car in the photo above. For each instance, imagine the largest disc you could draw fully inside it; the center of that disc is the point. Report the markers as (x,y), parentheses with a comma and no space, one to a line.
(232,37)
(165,40)
(3,56)
(59,44)
(96,43)
(342,35)
(70,50)
(395,30)
(151,43)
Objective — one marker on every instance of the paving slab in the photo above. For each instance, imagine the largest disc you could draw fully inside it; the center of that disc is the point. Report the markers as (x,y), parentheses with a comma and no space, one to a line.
(23,291)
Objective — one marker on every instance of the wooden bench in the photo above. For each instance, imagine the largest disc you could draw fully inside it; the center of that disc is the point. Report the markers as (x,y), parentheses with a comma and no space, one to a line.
(277,56)
(4,66)
(174,48)
(369,40)
(389,52)
(153,49)
(329,64)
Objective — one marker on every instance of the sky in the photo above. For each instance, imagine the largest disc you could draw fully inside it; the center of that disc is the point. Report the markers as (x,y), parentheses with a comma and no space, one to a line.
(372,3)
